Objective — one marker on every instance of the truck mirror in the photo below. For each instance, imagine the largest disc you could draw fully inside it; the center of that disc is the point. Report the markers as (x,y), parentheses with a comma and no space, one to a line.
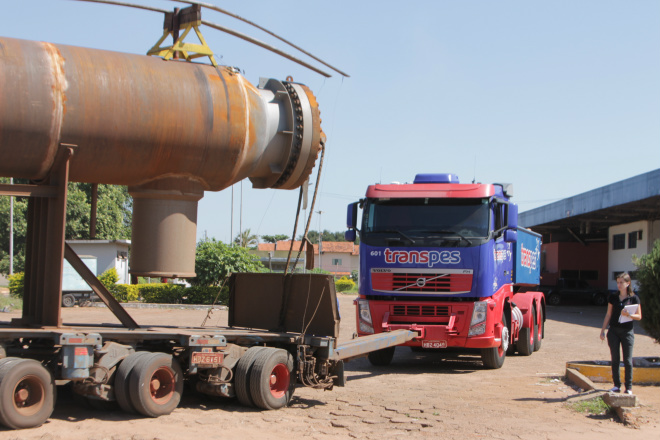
(351,215)
(350,235)
(512,216)
(510,235)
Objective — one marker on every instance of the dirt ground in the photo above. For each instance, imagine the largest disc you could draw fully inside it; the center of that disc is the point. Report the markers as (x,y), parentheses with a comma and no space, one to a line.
(420,395)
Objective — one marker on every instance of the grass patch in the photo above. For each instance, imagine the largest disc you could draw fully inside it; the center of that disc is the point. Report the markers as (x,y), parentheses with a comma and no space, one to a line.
(594,406)
(13,303)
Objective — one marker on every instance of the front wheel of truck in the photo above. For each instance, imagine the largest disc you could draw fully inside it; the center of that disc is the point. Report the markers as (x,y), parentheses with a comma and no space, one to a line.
(382,357)
(493,357)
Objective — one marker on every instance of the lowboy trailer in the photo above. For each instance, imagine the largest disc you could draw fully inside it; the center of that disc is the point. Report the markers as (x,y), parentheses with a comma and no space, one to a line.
(283,331)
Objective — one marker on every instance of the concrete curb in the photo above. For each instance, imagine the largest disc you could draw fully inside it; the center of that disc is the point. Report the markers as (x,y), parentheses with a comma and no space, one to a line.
(163,306)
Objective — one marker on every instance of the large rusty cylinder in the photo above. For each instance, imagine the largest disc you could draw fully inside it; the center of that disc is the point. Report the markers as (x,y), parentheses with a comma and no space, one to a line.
(136,119)
(170,130)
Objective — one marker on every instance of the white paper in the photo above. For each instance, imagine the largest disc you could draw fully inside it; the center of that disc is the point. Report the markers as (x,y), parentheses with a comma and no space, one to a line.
(631,309)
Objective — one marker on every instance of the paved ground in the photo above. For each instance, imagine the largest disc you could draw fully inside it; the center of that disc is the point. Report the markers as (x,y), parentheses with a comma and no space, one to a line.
(421,395)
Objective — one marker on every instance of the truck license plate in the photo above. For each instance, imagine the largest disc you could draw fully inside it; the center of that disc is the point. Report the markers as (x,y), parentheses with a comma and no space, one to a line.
(434,344)
(207,358)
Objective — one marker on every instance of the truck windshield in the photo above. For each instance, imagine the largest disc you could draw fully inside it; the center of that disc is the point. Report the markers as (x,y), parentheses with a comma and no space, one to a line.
(425,222)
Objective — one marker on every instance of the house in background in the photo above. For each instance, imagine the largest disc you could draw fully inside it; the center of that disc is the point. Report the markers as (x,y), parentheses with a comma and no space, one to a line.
(338,258)
(101,255)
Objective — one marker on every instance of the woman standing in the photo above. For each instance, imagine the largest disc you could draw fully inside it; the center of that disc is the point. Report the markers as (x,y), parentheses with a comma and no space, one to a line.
(621,333)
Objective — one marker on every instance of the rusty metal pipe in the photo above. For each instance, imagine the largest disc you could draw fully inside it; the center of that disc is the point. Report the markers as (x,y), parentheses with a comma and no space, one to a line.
(169,130)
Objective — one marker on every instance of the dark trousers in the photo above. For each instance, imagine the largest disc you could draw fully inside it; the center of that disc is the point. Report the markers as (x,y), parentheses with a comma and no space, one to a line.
(625,338)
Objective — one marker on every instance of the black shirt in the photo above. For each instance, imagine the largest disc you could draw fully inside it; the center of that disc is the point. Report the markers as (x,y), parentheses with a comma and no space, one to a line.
(617,307)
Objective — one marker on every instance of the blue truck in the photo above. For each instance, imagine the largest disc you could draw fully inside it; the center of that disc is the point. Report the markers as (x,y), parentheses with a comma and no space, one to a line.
(448,261)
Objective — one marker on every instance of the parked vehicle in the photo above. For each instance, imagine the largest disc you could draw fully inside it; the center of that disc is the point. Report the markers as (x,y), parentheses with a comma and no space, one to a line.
(572,289)
(448,261)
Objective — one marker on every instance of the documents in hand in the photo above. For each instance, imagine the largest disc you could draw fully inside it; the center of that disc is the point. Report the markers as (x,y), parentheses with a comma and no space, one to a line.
(631,309)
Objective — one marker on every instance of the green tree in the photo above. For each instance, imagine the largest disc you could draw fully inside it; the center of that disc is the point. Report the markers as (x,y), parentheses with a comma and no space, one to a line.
(214,261)
(648,281)
(247,239)
(114,216)
(274,238)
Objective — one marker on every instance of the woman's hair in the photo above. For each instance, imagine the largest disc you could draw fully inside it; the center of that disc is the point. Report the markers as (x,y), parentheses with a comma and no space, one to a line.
(626,277)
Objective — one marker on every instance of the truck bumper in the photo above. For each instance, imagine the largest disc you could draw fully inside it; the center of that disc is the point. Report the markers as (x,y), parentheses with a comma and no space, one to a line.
(442,336)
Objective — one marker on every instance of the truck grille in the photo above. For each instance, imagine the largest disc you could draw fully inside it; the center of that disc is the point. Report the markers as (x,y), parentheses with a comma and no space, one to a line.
(422,282)
(419,310)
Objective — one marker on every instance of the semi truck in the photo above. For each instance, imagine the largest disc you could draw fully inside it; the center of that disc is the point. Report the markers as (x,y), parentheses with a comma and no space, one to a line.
(448,261)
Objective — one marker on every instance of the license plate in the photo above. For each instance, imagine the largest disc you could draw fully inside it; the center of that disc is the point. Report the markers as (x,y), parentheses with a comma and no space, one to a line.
(204,358)
(434,344)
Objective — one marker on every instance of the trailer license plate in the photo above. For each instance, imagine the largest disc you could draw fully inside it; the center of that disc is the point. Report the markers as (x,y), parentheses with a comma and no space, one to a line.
(434,344)
(207,358)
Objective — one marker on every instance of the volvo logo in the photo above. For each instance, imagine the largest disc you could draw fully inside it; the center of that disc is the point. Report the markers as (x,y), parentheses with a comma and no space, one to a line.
(421,282)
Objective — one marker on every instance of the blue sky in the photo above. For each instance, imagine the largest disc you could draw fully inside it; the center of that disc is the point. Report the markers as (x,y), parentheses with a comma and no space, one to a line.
(555,97)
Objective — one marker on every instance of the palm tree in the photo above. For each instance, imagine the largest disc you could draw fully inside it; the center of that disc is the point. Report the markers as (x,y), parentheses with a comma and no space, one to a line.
(246,239)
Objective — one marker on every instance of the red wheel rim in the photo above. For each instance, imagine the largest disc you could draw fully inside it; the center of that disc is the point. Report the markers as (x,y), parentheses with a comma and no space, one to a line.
(279,381)
(162,385)
(29,396)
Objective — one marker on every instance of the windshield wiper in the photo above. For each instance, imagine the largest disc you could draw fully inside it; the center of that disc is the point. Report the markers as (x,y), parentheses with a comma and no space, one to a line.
(451,232)
(398,232)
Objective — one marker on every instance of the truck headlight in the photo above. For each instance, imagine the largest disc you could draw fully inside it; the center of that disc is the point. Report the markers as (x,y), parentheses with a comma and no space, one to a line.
(478,322)
(364,316)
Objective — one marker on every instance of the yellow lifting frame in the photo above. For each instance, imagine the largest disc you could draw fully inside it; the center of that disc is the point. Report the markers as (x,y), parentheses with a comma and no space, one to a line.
(188,50)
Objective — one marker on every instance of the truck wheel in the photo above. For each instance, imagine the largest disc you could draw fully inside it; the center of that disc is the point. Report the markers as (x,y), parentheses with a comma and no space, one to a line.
(68,300)
(27,394)
(554,299)
(122,392)
(539,332)
(271,381)
(243,370)
(382,357)
(493,357)
(156,384)
(525,341)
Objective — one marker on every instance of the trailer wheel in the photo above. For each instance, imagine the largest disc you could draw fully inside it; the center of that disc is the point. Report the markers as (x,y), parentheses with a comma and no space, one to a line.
(68,300)
(271,381)
(27,394)
(242,378)
(121,386)
(493,357)
(155,384)
(382,357)
(539,332)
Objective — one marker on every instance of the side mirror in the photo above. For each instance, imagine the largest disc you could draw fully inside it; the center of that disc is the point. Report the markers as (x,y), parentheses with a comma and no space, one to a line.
(510,235)
(351,215)
(512,216)
(350,235)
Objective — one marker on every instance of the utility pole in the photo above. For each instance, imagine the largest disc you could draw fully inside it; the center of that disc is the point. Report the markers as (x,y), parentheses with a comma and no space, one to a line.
(11,231)
(320,241)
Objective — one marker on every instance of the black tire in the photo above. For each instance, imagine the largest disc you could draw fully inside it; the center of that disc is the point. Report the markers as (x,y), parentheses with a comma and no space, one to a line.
(382,357)
(272,381)
(155,385)
(68,300)
(554,299)
(242,375)
(121,386)
(539,331)
(493,357)
(600,299)
(525,342)
(27,394)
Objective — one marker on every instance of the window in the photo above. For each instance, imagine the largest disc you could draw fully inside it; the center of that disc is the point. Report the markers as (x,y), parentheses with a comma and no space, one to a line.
(618,241)
(632,240)
(336,261)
